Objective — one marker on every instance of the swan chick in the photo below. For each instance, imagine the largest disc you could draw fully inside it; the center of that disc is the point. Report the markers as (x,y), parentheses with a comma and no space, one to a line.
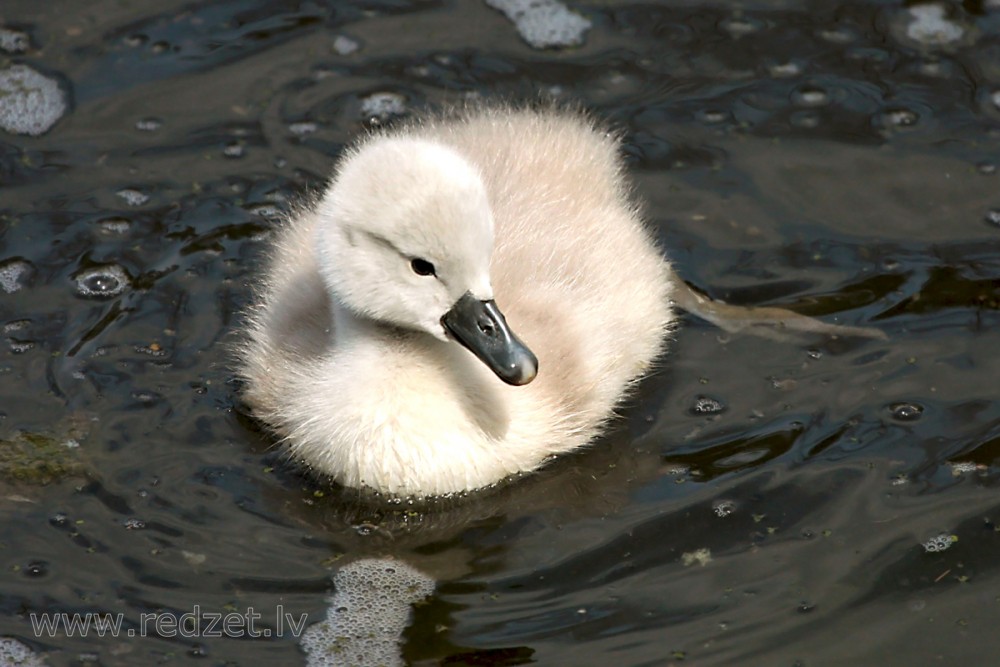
(469,297)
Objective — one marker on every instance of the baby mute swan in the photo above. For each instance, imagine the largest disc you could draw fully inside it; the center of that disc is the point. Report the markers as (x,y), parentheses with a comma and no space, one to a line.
(378,350)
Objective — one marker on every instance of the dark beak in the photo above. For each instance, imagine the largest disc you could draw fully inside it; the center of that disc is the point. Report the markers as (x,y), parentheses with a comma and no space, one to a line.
(480,327)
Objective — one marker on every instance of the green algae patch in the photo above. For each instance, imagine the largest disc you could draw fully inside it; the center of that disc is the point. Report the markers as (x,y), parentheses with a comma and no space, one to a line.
(38,459)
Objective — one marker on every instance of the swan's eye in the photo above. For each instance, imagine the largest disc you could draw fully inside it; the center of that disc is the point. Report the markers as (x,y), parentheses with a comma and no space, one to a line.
(422,267)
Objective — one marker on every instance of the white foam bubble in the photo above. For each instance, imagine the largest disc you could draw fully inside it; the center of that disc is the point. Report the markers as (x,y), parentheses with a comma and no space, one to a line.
(13,41)
(114,225)
(303,128)
(939,543)
(132,197)
(383,105)
(785,70)
(30,103)
(148,124)
(930,25)
(544,23)
(367,615)
(724,508)
(102,282)
(13,275)
(962,467)
(269,211)
(740,26)
(15,654)
(701,557)
(344,45)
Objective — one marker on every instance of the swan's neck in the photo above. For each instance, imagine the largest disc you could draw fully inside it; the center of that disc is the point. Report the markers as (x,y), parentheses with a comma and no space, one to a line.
(348,327)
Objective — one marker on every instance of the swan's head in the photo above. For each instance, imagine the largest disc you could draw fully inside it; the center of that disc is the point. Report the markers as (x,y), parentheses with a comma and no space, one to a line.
(405,236)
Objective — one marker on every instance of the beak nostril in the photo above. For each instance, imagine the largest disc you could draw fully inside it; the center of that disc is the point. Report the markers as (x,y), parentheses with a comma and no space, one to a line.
(481,328)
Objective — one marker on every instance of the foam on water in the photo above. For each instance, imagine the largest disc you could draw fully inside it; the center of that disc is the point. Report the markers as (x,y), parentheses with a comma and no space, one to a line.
(132,197)
(367,615)
(706,405)
(14,653)
(148,124)
(13,41)
(544,23)
(785,70)
(303,128)
(930,25)
(383,105)
(13,275)
(344,45)
(740,26)
(939,543)
(810,97)
(30,103)
(114,225)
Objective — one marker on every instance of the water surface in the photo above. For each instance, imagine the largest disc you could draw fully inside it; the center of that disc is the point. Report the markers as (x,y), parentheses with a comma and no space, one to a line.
(815,501)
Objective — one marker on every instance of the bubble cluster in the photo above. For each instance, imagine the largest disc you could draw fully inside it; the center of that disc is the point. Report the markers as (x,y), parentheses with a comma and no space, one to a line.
(13,41)
(13,275)
(724,508)
(102,282)
(962,467)
(367,614)
(701,557)
(234,150)
(20,346)
(134,523)
(382,106)
(939,543)
(30,102)
(705,405)
(13,652)
(132,197)
(930,25)
(114,225)
(16,325)
(544,23)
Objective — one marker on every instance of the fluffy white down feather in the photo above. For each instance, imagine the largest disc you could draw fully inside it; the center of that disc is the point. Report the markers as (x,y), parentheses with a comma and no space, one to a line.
(345,358)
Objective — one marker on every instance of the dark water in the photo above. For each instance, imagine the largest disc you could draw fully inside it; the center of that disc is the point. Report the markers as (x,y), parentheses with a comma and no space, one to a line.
(807,502)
